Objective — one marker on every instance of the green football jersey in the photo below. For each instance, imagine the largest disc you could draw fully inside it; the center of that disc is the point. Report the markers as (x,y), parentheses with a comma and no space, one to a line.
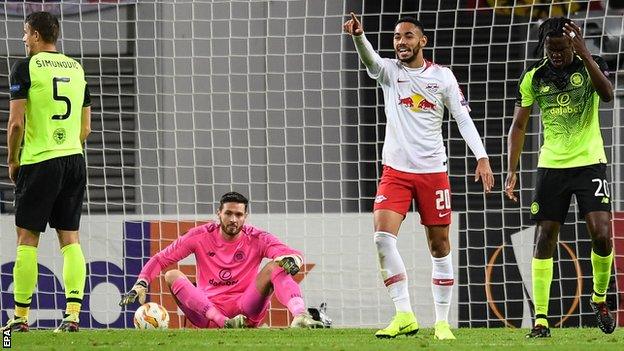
(55,90)
(569,111)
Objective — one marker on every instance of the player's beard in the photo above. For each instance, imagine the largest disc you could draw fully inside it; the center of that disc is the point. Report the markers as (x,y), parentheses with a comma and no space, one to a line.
(409,59)
(230,229)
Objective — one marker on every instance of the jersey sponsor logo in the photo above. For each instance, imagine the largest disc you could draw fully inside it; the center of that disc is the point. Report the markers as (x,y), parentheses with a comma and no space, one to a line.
(563,99)
(380,198)
(222,283)
(15,88)
(225,274)
(432,87)
(417,103)
(557,111)
(402,80)
(211,253)
(444,214)
(544,89)
(576,79)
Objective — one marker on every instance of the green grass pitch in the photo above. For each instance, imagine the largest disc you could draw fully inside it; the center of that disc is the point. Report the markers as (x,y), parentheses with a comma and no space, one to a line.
(567,339)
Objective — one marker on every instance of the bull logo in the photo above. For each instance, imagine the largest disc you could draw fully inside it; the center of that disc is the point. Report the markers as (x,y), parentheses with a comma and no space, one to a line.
(417,103)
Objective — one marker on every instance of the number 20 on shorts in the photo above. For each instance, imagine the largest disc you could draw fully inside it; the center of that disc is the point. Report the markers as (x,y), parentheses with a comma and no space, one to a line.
(443,199)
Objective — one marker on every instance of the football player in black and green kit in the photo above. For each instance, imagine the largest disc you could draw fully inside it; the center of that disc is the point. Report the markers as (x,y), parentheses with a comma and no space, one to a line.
(49,120)
(567,84)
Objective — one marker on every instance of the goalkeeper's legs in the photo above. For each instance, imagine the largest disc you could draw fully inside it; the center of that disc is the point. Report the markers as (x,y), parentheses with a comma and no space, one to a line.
(25,274)
(286,289)
(442,278)
(273,278)
(599,225)
(74,277)
(546,233)
(193,301)
(254,305)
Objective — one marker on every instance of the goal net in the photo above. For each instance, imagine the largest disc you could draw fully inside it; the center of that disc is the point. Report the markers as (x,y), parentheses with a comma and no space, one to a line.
(192,99)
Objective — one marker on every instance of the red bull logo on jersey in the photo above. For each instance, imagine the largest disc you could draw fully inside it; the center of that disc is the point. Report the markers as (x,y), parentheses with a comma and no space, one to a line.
(417,103)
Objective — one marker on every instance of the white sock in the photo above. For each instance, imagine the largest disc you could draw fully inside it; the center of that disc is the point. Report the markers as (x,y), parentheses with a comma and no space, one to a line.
(442,285)
(393,271)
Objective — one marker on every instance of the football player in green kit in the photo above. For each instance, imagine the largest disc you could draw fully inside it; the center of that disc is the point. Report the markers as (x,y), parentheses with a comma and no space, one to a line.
(49,120)
(567,84)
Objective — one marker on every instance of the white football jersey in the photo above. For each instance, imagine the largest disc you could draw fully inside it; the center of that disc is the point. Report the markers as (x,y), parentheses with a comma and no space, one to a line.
(414,104)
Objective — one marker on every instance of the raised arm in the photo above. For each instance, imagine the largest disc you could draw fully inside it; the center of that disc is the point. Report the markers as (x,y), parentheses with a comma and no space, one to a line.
(370,58)
(599,80)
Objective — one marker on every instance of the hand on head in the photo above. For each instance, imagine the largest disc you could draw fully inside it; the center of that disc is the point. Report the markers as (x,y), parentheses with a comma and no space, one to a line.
(573,32)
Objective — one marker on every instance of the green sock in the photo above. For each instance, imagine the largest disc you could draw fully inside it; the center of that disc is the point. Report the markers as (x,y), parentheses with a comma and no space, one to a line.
(542,273)
(601,270)
(74,276)
(25,274)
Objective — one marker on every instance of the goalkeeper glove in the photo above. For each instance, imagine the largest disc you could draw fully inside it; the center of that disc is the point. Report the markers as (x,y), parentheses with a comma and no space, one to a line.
(139,290)
(290,263)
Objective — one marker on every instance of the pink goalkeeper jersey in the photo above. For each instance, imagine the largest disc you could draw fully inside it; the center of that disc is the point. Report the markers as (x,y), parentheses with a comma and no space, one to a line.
(224,268)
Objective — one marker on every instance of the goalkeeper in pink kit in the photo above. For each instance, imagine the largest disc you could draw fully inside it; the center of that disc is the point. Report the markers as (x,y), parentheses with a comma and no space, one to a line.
(231,291)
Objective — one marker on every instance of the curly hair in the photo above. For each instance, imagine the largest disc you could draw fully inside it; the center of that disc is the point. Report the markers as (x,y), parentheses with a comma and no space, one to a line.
(552,27)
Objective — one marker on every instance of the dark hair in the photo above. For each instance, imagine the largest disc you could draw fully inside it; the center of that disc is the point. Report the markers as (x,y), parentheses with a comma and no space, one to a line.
(45,24)
(411,20)
(552,27)
(233,196)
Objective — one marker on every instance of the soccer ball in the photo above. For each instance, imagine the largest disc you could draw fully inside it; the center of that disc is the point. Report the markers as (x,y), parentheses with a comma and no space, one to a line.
(151,316)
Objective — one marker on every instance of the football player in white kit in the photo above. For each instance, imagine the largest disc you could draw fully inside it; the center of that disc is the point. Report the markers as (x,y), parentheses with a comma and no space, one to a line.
(414,165)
